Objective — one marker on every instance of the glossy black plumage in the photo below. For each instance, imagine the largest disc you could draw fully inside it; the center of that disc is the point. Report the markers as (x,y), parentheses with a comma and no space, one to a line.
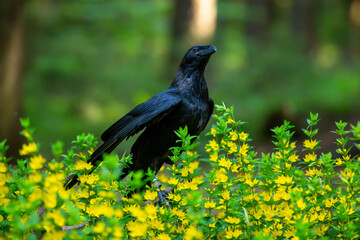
(185,103)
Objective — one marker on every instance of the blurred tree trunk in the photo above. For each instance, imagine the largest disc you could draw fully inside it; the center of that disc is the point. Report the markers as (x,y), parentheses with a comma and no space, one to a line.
(259,19)
(183,10)
(194,22)
(353,48)
(11,66)
(303,22)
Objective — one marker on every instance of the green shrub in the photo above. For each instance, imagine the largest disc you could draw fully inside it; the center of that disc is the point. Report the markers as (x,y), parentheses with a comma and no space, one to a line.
(244,195)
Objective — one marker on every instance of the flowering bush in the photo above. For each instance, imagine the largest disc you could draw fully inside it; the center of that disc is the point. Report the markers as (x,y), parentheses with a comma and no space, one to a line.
(244,195)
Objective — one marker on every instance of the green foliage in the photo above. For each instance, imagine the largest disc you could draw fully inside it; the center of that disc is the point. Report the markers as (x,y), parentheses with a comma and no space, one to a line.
(105,58)
(244,195)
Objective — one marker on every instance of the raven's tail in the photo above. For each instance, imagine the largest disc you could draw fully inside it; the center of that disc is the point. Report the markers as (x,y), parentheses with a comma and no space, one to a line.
(95,159)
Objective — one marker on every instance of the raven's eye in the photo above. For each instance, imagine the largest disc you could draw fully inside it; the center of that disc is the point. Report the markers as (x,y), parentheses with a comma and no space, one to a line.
(196,50)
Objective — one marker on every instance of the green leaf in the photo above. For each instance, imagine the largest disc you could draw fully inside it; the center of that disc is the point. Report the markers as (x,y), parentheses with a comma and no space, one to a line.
(25,122)
(57,148)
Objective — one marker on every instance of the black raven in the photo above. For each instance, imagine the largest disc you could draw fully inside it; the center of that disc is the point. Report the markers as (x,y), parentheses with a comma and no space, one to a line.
(185,103)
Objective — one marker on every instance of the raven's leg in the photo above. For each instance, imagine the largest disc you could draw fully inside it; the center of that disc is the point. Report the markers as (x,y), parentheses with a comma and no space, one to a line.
(162,194)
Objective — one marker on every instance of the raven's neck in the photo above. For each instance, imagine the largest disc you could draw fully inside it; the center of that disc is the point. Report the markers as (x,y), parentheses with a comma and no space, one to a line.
(193,83)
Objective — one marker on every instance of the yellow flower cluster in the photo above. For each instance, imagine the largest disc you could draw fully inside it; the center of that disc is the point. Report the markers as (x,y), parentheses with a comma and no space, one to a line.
(241,195)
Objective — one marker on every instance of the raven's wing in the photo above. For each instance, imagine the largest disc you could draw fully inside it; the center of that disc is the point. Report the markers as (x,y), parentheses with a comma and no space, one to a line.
(143,115)
(211,109)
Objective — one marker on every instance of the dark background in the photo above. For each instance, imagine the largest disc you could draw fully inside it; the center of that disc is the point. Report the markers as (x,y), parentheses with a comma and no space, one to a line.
(77,66)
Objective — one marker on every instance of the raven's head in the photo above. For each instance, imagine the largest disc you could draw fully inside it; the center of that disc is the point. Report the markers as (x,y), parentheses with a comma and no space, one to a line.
(196,58)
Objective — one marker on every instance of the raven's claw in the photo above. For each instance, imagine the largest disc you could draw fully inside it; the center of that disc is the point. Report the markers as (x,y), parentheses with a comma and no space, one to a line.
(163,194)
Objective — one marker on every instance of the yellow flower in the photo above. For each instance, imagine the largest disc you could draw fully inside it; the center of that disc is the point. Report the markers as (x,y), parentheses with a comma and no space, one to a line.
(189,153)
(37,162)
(212,146)
(150,195)
(189,185)
(213,132)
(237,233)
(233,135)
(151,211)
(82,165)
(26,133)
(232,220)
(138,213)
(118,213)
(213,157)
(175,197)
(280,194)
(225,195)
(162,178)
(50,200)
(310,144)
(3,168)
(35,177)
(225,163)
(244,149)
(99,227)
(137,229)
(221,215)
(230,121)
(54,182)
(243,136)
(321,230)
(163,236)
(193,233)
(118,232)
(282,180)
(339,162)
(232,146)
(4,201)
(293,158)
(193,165)
(269,212)
(54,235)
(97,210)
(210,204)
(28,149)
(251,182)
(301,204)
(184,171)
(36,195)
(311,172)
(220,176)
(310,157)
(64,194)
(57,217)
(235,167)
(173,181)
(231,233)
(180,214)
(350,211)
(90,151)
(212,225)
(92,178)
(197,180)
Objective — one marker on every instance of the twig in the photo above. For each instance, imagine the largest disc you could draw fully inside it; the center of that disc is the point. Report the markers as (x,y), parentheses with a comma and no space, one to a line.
(69,228)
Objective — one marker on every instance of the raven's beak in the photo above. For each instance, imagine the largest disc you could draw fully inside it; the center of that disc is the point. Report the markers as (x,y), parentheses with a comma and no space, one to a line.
(207,50)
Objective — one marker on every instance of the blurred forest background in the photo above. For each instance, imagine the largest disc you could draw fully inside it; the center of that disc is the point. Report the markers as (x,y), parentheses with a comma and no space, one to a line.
(77,66)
